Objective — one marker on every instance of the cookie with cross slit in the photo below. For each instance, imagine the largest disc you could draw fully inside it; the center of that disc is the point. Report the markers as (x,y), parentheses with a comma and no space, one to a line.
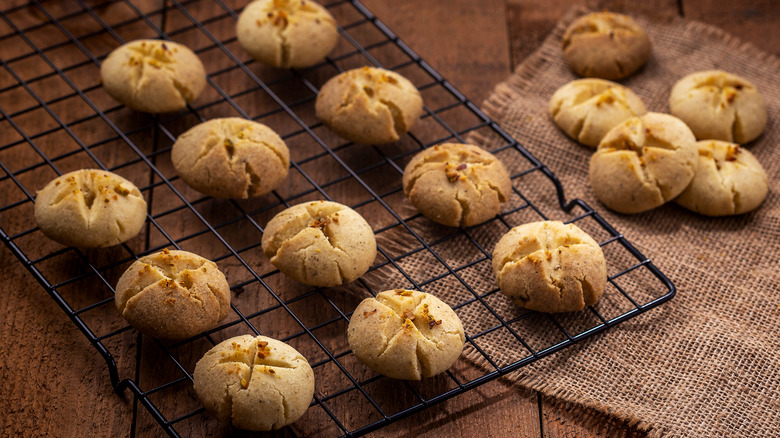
(605,45)
(550,267)
(153,76)
(729,180)
(717,105)
(643,163)
(457,184)
(586,109)
(320,243)
(173,295)
(254,383)
(90,208)
(231,158)
(405,334)
(369,105)
(287,33)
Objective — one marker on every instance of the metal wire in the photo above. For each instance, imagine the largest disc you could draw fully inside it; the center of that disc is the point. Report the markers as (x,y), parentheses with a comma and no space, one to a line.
(357,22)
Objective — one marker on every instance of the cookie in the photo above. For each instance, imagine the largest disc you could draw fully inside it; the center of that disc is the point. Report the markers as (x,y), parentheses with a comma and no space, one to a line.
(605,45)
(550,267)
(643,163)
(254,383)
(320,243)
(456,184)
(231,158)
(173,295)
(369,105)
(405,334)
(287,33)
(719,106)
(729,180)
(90,208)
(586,109)
(153,76)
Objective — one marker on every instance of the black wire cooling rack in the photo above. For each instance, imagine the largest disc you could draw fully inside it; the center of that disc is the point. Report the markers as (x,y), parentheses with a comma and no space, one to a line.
(55,118)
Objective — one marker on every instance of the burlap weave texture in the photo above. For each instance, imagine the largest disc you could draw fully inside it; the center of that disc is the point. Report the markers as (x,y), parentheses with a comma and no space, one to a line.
(706,363)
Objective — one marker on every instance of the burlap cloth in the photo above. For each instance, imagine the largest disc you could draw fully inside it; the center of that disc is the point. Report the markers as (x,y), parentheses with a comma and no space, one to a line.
(706,363)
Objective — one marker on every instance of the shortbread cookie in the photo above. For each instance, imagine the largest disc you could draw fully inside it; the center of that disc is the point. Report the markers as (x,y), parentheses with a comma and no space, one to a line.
(173,295)
(287,33)
(320,243)
(719,106)
(153,76)
(729,180)
(369,105)
(231,158)
(254,383)
(605,45)
(405,334)
(550,267)
(643,163)
(586,109)
(456,184)
(90,208)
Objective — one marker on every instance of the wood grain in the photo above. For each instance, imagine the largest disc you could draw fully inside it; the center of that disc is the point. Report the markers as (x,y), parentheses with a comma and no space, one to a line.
(54,382)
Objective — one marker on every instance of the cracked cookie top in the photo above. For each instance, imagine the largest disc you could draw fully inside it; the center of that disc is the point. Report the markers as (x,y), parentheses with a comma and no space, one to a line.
(320,243)
(90,208)
(586,109)
(643,163)
(369,105)
(719,106)
(287,33)
(456,184)
(729,180)
(405,334)
(605,45)
(254,382)
(550,267)
(231,158)
(173,295)
(153,76)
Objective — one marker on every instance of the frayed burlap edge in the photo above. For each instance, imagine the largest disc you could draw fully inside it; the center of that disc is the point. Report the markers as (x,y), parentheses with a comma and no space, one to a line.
(586,410)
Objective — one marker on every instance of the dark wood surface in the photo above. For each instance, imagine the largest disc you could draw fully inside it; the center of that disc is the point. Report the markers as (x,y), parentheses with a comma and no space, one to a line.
(52,382)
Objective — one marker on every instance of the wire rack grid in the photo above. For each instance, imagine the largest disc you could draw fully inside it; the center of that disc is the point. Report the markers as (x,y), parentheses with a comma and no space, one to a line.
(55,117)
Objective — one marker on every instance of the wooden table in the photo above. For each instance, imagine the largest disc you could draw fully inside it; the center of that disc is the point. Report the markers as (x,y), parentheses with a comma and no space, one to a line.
(55,383)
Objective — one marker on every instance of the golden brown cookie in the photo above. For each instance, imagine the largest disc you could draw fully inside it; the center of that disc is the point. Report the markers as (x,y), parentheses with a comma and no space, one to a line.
(231,158)
(90,208)
(369,105)
(729,180)
(405,334)
(320,243)
(173,295)
(550,267)
(605,45)
(287,33)
(456,184)
(153,76)
(586,109)
(719,106)
(643,163)
(254,383)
